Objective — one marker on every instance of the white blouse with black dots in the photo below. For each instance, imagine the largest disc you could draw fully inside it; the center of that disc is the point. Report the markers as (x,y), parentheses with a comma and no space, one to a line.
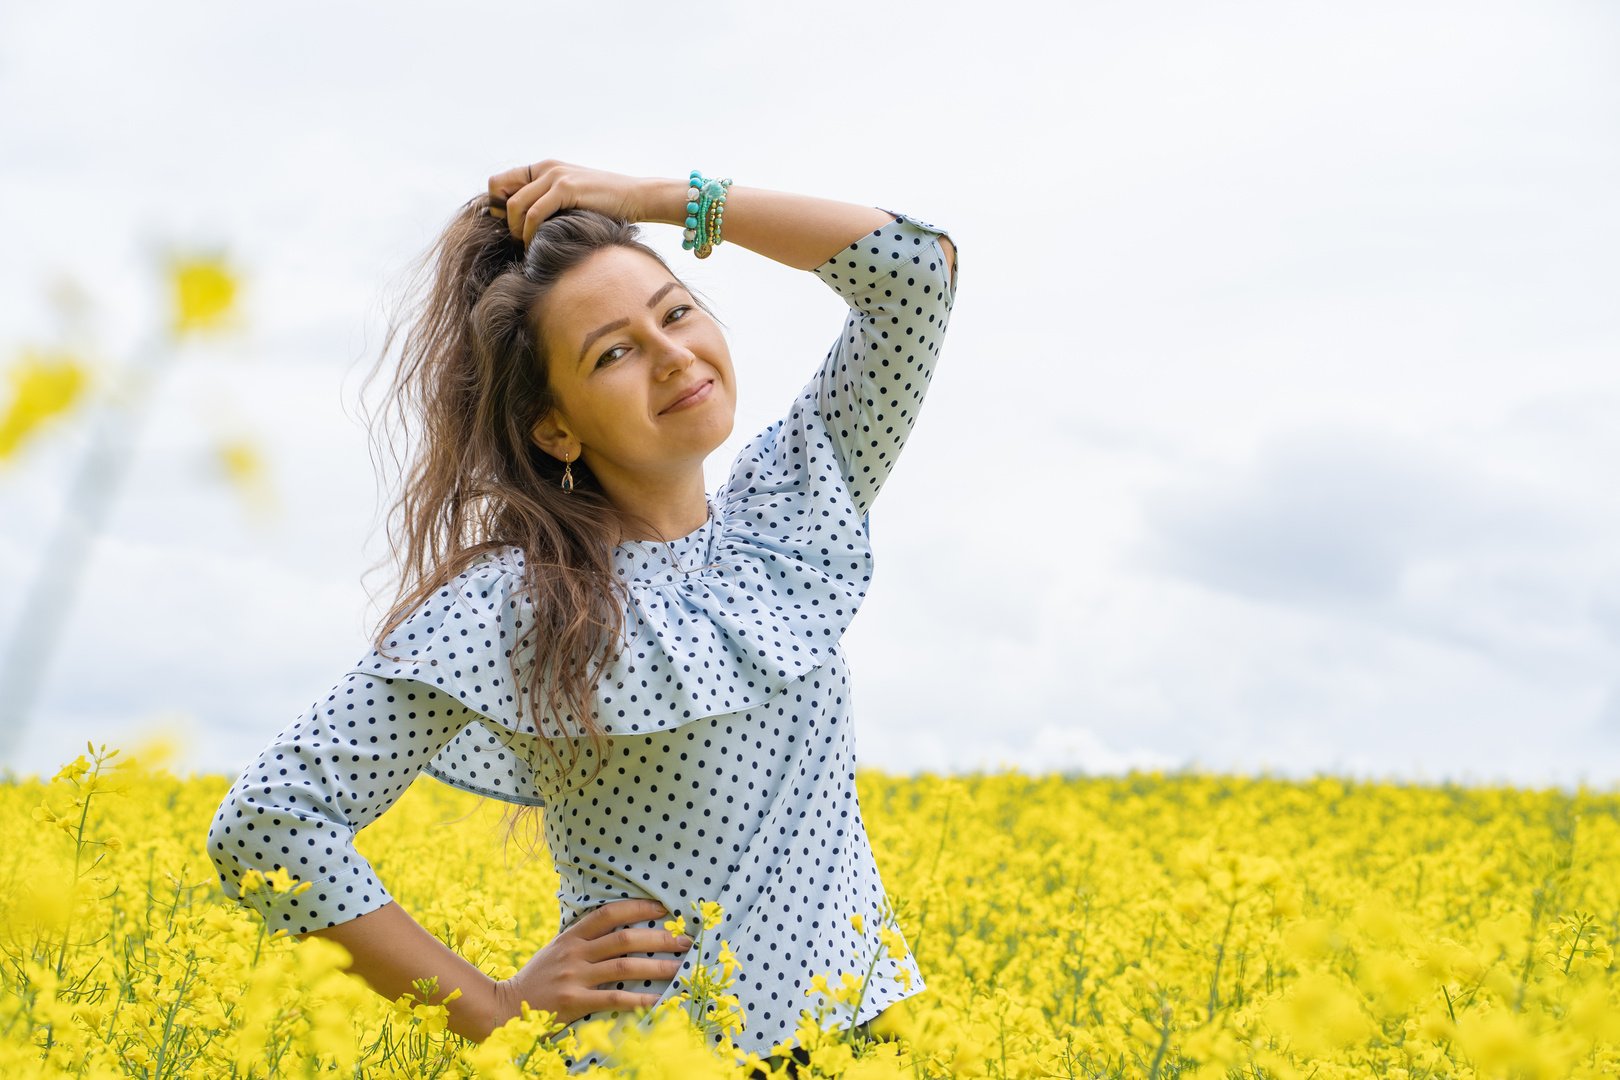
(731,762)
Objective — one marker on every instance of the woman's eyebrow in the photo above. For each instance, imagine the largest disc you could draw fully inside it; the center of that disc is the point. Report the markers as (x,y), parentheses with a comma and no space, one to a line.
(661,293)
(620,324)
(617,324)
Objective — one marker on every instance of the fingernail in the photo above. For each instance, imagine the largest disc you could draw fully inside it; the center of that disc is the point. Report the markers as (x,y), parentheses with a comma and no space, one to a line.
(684,942)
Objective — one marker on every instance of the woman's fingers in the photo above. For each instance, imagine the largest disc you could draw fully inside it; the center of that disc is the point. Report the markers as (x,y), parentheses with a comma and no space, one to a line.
(504,185)
(622,1000)
(633,969)
(579,1003)
(564,977)
(554,198)
(531,194)
(610,917)
(531,204)
(526,197)
(635,940)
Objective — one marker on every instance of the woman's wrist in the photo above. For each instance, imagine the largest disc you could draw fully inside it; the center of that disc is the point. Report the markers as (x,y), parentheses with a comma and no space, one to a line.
(501,1006)
(483,1011)
(662,201)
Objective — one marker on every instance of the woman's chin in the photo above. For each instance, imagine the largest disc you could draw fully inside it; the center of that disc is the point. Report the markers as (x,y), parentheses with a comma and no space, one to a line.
(709,432)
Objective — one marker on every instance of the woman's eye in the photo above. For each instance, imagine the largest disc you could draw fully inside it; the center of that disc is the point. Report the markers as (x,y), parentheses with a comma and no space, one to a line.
(680,311)
(611,355)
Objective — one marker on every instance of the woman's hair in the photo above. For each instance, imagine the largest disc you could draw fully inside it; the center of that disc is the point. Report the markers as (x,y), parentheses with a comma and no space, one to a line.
(468,389)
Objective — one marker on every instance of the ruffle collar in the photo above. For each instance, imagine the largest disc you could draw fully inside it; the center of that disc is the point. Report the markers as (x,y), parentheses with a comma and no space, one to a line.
(720,621)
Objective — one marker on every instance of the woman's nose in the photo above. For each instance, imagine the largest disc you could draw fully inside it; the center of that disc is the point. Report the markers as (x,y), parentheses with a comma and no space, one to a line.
(673,357)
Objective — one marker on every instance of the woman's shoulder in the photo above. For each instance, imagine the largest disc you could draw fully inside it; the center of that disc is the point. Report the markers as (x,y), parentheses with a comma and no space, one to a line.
(459,637)
(490,582)
(503,564)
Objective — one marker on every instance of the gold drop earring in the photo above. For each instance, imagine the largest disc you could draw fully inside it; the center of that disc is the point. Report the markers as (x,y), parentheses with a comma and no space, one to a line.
(568,476)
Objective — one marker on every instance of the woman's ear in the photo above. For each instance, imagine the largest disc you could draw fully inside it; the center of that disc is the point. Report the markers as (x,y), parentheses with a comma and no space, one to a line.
(551,434)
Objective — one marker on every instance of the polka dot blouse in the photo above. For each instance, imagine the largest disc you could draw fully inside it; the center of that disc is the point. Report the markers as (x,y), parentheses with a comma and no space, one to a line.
(730,771)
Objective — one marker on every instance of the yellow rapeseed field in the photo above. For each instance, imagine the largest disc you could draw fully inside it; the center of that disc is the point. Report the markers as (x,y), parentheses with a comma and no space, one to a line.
(1146,926)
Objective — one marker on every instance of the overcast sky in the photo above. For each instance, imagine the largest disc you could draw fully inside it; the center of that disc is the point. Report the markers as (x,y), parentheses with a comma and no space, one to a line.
(1277,427)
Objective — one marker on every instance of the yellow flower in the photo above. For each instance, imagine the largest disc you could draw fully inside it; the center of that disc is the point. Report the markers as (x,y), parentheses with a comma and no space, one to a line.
(676,926)
(1320,1016)
(112,843)
(401,1007)
(1497,1041)
(727,959)
(594,1037)
(44,385)
(859,924)
(284,884)
(204,292)
(242,463)
(712,914)
(1342,929)
(73,770)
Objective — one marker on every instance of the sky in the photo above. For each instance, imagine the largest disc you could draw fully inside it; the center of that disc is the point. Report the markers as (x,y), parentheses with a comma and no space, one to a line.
(1275,430)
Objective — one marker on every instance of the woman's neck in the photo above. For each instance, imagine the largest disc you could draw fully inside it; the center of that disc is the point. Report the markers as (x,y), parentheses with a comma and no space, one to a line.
(658,508)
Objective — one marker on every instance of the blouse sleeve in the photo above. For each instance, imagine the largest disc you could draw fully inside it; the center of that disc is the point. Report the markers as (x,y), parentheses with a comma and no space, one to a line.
(321,780)
(900,290)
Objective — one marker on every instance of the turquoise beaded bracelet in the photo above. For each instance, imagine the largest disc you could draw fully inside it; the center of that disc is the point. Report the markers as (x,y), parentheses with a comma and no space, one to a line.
(705,204)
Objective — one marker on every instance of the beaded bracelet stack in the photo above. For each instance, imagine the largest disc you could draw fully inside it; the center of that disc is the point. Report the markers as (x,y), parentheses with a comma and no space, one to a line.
(705,203)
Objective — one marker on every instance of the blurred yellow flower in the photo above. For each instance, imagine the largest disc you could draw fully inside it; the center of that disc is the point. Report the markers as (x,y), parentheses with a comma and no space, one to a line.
(594,1037)
(1320,1016)
(43,385)
(242,464)
(1496,1041)
(204,289)
(241,460)
(73,770)
(283,883)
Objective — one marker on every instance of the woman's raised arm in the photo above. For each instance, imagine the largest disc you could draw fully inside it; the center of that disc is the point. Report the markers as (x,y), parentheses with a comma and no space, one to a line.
(797,230)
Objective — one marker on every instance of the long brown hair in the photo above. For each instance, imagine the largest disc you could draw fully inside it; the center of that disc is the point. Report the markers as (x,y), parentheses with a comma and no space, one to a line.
(468,388)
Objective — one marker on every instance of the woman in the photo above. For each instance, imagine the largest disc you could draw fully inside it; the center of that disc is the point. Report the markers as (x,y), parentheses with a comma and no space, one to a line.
(581,627)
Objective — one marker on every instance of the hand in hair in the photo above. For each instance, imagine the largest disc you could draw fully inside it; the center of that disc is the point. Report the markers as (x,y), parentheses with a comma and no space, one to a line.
(797,230)
(526,196)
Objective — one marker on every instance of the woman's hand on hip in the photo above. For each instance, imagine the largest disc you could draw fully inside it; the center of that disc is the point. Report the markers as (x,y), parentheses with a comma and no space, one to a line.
(563,977)
(527,195)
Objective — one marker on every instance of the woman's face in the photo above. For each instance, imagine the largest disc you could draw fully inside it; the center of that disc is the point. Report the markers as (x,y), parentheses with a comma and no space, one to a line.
(642,376)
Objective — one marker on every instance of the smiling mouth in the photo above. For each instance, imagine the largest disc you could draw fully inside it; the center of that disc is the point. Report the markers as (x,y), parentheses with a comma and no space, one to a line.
(696,396)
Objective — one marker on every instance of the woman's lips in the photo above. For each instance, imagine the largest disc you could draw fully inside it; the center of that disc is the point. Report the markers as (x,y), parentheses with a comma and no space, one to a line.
(696,396)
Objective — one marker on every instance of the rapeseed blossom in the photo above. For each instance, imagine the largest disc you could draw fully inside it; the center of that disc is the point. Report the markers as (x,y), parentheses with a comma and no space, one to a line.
(1148,926)
(43,386)
(204,291)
